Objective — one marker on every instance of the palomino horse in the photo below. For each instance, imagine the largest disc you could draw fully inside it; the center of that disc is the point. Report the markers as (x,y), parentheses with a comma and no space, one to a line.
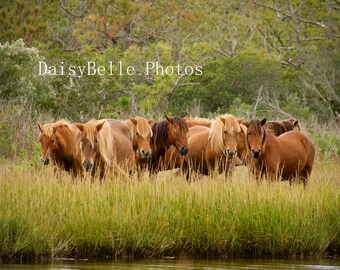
(279,127)
(105,145)
(214,148)
(171,132)
(287,156)
(57,142)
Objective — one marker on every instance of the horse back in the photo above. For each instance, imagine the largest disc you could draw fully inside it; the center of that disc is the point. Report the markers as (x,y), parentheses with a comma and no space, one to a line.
(298,152)
(120,126)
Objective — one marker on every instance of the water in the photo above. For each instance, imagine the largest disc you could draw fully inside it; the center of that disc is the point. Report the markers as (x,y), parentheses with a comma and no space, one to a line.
(323,264)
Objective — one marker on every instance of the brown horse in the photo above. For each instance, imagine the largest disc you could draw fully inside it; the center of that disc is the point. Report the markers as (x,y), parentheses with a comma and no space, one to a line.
(287,156)
(57,142)
(141,134)
(171,132)
(274,127)
(105,145)
(279,127)
(214,148)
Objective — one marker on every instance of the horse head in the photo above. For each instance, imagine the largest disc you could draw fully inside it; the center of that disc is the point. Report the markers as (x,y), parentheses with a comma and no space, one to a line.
(178,133)
(256,137)
(141,134)
(231,133)
(89,143)
(48,143)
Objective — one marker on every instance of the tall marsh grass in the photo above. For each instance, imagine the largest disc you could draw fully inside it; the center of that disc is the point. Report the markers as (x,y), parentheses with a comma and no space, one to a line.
(42,217)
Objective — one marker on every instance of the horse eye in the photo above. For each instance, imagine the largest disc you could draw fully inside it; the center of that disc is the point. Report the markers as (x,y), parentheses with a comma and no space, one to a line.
(225,132)
(96,141)
(137,133)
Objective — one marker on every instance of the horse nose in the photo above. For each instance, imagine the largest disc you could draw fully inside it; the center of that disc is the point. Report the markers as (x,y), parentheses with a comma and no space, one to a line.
(183,150)
(45,161)
(87,166)
(231,154)
(256,153)
(145,154)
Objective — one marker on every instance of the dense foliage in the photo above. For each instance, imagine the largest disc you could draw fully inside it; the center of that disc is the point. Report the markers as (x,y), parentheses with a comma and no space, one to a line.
(268,58)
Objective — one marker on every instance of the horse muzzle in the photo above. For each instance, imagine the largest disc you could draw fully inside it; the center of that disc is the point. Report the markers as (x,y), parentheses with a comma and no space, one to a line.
(145,154)
(183,150)
(256,153)
(45,161)
(87,166)
(231,154)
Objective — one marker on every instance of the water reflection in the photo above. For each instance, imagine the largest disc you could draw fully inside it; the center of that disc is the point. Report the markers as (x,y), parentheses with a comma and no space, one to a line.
(183,265)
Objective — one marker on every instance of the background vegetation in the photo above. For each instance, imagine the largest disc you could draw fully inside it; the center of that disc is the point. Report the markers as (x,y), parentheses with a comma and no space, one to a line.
(277,59)
(268,58)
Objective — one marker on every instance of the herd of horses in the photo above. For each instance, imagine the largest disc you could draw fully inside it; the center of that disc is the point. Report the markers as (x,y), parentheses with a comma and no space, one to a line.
(271,150)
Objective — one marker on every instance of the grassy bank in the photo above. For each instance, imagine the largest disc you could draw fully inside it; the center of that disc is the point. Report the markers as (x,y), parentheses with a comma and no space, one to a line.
(210,218)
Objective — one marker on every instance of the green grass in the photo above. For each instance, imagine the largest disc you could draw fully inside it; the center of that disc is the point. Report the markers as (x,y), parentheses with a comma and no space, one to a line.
(42,217)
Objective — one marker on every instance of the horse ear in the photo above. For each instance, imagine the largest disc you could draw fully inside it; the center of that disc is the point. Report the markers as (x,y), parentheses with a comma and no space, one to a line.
(296,122)
(80,126)
(134,121)
(245,123)
(222,119)
(40,127)
(169,119)
(240,120)
(100,125)
(185,119)
(150,121)
(263,121)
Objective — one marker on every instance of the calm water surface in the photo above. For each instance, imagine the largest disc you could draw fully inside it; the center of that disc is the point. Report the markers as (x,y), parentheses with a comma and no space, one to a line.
(331,264)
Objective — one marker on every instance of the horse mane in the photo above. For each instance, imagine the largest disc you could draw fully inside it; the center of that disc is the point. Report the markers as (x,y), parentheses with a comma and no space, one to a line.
(48,129)
(160,131)
(143,127)
(256,127)
(160,134)
(105,138)
(217,128)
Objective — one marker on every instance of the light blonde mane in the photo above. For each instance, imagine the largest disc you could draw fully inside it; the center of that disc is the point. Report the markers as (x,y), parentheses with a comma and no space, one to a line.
(104,137)
(47,129)
(231,125)
(143,127)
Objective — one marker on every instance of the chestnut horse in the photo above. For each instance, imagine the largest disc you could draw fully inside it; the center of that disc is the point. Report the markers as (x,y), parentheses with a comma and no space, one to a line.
(171,132)
(279,127)
(287,156)
(105,145)
(57,142)
(214,148)
(141,134)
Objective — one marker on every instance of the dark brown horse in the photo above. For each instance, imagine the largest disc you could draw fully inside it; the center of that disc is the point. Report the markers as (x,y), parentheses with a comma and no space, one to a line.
(57,142)
(279,127)
(171,132)
(287,156)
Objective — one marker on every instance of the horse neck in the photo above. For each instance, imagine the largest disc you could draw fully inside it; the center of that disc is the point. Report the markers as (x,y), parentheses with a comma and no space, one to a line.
(60,149)
(159,141)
